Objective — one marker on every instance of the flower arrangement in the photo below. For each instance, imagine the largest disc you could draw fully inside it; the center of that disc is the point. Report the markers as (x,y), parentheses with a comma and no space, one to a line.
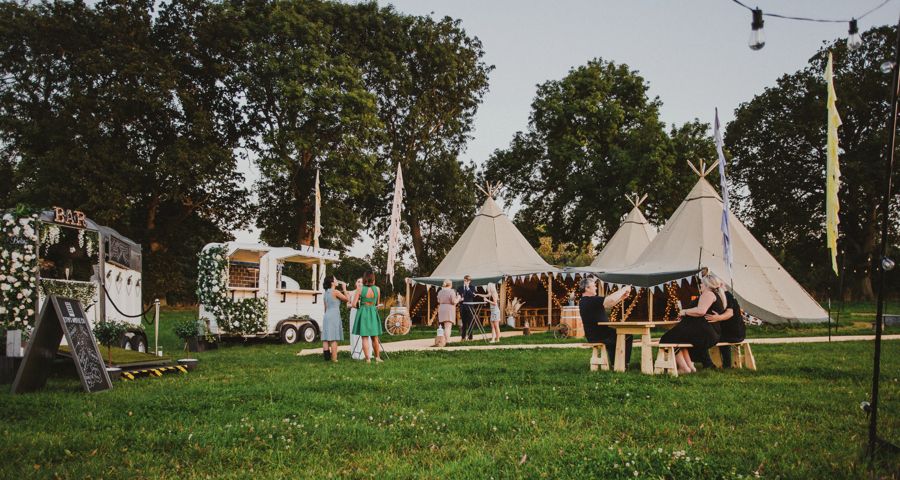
(513,306)
(18,270)
(244,316)
(84,292)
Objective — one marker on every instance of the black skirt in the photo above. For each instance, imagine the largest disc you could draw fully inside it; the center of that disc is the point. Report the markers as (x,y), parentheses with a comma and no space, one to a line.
(692,330)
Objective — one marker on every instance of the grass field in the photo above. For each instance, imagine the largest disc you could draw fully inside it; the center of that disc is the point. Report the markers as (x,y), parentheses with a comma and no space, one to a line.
(259,411)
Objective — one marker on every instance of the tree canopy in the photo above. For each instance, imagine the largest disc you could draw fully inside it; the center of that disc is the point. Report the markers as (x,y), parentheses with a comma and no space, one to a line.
(593,137)
(139,113)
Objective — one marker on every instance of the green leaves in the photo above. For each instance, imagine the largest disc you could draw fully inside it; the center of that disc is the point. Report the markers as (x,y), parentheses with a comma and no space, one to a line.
(594,137)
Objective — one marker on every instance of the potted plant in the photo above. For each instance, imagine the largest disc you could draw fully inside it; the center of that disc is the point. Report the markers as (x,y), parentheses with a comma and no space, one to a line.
(107,333)
(206,340)
(513,306)
(188,330)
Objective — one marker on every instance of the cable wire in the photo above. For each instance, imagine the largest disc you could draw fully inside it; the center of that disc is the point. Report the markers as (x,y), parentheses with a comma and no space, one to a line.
(807,19)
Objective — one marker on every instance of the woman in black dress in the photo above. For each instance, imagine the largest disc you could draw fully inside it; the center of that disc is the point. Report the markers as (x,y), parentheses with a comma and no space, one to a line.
(693,327)
(730,325)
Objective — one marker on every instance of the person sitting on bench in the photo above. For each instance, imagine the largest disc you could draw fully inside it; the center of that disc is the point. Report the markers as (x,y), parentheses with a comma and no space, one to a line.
(730,325)
(593,310)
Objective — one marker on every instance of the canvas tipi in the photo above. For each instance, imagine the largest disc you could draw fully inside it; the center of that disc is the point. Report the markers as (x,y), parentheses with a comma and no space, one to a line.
(491,247)
(629,241)
(692,238)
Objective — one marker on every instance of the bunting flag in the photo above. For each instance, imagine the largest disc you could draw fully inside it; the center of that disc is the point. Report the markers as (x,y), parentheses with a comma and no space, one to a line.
(832,169)
(394,231)
(726,206)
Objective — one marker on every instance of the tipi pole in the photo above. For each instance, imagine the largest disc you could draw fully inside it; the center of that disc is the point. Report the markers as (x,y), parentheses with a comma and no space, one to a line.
(650,304)
(502,299)
(428,307)
(408,300)
(549,299)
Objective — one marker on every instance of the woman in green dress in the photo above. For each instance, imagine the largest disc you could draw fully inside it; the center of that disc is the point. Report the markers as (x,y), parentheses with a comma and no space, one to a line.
(368,323)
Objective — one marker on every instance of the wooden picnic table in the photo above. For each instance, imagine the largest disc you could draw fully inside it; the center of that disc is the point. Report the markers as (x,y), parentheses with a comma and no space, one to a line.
(635,328)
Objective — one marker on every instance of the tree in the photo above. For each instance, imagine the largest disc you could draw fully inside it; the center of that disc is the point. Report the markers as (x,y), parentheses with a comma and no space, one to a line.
(778,141)
(594,137)
(129,115)
(310,111)
(428,78)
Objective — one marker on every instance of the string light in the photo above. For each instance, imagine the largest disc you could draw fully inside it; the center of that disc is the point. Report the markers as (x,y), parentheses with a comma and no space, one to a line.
(758,38)
(757,35)
(854,41)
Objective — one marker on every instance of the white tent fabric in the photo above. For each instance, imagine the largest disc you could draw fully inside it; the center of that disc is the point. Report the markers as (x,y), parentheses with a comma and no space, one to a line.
(491,246)
(692,238)
(627,244)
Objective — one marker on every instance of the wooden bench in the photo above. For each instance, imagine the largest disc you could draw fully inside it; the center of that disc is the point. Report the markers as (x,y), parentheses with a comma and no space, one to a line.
(665,358)
(741,355)
(601,361)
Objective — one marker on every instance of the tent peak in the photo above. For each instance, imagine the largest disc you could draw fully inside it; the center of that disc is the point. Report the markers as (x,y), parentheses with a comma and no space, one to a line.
(491,190)
(703,171)
(636,200)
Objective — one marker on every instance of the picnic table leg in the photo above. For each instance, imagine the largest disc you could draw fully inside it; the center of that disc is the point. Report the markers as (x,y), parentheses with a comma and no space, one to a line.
(620,352)
(646,353)
(595,360)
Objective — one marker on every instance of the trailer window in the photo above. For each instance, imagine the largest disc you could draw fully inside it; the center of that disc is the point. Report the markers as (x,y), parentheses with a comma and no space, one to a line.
(67,253)
(243,275)
(300,272)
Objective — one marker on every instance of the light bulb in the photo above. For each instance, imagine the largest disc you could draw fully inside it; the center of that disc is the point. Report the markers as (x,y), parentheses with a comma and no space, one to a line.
(887,264)
(757,36)
(887,67)
(854,40)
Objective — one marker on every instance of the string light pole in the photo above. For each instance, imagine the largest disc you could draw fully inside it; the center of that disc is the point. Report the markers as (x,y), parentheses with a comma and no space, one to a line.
(885,263)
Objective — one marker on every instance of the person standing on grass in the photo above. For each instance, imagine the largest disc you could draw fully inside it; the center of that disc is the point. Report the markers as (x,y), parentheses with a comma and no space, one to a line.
(447,300)
(592,309)
(730,325)
(467,293)
(355,343)
(332,325)
(368,322)
(493,300)
(693,327)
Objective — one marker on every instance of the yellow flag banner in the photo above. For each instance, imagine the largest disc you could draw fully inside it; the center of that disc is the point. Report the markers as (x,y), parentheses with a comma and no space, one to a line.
(832,169)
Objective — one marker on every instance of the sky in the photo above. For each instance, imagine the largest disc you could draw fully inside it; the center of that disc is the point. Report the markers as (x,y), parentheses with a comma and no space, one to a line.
(692,53)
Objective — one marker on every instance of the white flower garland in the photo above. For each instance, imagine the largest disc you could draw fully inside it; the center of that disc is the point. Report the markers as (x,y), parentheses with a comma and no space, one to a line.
(244,316)
(18,271)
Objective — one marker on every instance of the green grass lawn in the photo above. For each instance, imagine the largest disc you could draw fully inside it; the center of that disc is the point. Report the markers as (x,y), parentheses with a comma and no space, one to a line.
(260,411)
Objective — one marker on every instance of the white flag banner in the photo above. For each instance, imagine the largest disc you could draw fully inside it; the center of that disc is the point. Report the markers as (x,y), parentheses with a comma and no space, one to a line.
(394,231)
(318,273)
(726,207)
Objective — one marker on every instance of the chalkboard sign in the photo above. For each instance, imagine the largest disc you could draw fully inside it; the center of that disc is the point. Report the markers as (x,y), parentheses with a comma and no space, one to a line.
(119,252)
(61,316)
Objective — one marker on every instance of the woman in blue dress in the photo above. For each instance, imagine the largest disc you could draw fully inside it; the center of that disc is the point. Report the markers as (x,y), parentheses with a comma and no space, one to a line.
(368,323)
(332,326)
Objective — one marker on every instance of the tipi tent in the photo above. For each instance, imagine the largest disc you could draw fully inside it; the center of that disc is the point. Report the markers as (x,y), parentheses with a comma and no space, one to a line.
(491,250)
(629,241)
(692,238)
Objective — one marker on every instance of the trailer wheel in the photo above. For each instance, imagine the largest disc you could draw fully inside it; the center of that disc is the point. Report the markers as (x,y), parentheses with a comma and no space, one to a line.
(289,335)
(308,333)
(138,343)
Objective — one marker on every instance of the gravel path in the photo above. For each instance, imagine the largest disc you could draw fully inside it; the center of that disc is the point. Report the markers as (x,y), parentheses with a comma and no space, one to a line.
(425,344)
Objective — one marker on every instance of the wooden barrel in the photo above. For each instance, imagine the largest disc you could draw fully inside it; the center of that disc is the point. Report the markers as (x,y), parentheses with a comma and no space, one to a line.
(571,317)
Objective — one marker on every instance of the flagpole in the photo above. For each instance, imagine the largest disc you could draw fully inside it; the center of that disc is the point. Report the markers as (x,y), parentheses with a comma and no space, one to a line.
(884,262)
